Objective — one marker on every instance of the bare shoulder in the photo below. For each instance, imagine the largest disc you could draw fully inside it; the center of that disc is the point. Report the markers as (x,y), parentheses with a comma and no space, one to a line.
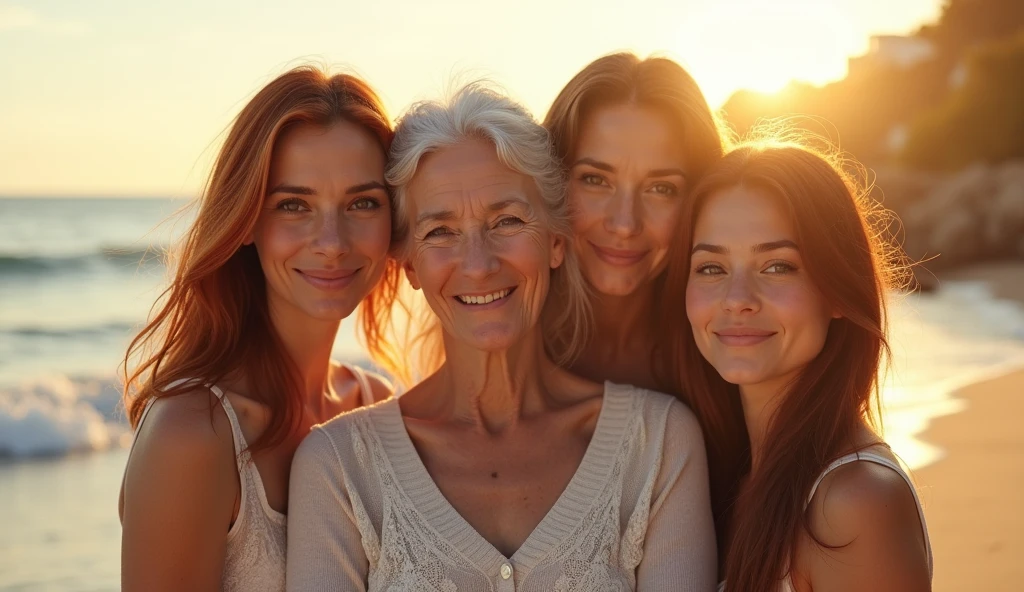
(380,386)
(193,422)
(862,500)
(345,381)
(868,533)
(184,441)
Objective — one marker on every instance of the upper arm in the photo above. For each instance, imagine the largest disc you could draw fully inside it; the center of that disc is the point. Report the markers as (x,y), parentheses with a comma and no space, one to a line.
(179,494)
(325,550)
(866,516)
(680,552)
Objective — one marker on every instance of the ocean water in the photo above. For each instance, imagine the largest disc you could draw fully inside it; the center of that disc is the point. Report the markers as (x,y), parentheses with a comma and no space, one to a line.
(77,278)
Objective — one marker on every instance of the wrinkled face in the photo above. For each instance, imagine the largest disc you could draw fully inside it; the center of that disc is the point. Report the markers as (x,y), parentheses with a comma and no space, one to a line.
(627,184)
(479,247)
(756,315)
(325,227)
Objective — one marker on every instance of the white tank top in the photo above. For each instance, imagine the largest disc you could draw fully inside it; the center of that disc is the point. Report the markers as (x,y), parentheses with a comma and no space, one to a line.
(865,455)
(255,556)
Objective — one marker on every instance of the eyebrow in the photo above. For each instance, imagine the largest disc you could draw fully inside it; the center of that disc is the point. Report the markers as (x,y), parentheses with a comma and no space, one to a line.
(760,248)
(303,190)
(604,166)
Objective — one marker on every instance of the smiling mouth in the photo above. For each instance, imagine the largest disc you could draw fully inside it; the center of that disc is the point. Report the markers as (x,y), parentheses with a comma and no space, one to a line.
(619,257)
(743,338)
(477,300)
(329,280)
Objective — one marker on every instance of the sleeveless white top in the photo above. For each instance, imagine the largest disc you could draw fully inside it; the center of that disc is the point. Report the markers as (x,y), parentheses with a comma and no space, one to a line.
(865,455)
(255,556)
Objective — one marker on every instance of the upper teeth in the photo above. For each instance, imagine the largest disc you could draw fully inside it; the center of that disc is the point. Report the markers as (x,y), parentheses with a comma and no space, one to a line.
(484,299)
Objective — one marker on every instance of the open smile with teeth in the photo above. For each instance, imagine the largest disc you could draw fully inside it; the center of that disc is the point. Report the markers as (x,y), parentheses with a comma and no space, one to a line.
(485,299)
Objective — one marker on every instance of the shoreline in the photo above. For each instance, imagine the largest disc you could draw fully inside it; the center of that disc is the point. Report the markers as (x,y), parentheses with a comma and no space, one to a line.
(972,496)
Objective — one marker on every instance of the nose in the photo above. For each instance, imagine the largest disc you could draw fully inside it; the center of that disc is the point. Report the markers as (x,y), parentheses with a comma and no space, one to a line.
(478,259)
(622,218)
(329,236)
(740,295)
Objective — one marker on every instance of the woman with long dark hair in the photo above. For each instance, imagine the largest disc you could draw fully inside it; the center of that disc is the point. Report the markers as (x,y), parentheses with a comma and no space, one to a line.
(234,367)
(785,275)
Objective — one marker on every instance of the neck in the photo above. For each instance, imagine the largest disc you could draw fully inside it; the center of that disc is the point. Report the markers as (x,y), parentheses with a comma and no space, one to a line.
(492,391)
(624,321)
(308,342)
(760,402)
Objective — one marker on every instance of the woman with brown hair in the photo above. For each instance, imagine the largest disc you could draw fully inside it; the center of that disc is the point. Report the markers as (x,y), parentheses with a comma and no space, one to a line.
(634,136)
(785,276)
(234,368)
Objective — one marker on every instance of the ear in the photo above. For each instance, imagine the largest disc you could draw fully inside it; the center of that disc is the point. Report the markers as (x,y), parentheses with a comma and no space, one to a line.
(248,240)
(410,274)
(557,251)
(836,314)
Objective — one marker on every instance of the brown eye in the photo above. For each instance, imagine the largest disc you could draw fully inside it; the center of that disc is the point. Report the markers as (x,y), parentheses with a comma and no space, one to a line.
(365,203)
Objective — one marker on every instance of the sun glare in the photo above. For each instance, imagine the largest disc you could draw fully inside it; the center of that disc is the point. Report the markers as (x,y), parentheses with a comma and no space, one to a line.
(762,46)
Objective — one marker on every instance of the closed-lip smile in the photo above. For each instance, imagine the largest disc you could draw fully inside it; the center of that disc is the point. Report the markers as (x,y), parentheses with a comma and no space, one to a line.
(328,279)
(619,257)
(743,336)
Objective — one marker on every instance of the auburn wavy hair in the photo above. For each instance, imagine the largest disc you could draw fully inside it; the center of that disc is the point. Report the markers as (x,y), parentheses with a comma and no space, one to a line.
(847,253)
(657,83)
(213,320)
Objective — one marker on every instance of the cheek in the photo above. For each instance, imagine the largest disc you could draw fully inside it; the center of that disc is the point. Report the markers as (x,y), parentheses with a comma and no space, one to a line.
(700,305)
(372,237)
(803,312)
(276,240)
(586,210)
(662,223)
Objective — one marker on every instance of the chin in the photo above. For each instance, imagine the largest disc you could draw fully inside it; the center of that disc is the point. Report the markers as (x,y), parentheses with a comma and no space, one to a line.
(329,311)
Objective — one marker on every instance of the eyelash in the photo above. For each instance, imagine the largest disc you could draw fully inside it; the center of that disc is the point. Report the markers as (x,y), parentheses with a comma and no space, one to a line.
(705,267)
(661,188)
(285,205)
(514,221)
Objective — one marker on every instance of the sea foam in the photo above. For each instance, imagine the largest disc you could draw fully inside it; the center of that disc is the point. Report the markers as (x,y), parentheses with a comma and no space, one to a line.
(59,415)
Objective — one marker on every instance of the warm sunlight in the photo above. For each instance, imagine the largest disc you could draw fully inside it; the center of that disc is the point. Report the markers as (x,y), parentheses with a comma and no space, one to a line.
(763,45)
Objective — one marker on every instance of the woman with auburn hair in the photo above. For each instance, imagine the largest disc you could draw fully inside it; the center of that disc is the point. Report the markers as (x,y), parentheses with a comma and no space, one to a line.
(634,136)
(785,275)
(234,368)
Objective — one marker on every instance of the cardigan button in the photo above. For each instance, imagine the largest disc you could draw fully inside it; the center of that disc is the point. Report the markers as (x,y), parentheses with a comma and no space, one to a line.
(506,571)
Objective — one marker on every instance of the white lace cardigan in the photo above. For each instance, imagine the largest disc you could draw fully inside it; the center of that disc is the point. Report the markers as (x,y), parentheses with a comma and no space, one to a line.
(364,513)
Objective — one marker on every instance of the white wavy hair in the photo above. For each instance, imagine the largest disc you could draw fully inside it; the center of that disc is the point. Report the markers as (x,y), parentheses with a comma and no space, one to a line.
(479,112)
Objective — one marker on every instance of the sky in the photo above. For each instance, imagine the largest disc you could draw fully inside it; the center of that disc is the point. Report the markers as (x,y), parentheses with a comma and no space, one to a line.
(122,98)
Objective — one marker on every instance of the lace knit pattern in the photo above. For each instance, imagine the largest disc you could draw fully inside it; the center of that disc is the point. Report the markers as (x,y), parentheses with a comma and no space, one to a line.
(403,536)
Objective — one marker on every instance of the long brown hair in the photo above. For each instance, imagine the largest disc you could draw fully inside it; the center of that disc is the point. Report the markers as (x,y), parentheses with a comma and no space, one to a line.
(841,236)
(213,319)
(658,83)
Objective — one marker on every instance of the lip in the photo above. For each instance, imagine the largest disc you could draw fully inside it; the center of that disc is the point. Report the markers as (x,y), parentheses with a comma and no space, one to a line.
(329,279)
(489,305)
(743,336)
(618,257)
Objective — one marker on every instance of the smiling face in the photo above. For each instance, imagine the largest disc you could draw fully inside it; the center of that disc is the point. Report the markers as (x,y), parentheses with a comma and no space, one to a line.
(325,227)
(627,184)
(756,315)
(479,247)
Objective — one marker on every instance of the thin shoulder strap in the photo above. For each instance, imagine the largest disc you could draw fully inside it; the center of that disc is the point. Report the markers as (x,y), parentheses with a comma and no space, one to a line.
(867,455)
(237,437)
(365,390)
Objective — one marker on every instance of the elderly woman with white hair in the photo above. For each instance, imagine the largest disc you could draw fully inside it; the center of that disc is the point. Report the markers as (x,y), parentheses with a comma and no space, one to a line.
(501,470)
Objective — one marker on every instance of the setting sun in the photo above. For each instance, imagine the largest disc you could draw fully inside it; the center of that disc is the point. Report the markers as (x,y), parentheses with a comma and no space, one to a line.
(762,46)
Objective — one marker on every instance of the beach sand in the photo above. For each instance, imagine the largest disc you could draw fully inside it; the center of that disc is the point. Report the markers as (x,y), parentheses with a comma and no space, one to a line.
(973,497)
